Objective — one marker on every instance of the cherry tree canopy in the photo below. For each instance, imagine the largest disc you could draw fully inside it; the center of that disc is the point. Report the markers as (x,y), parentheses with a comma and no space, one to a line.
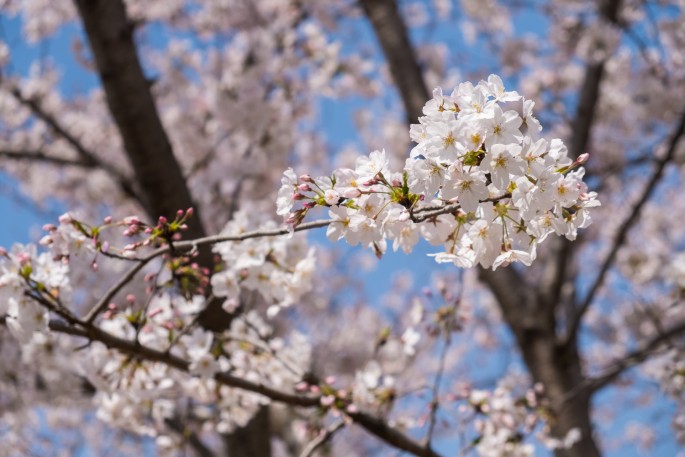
(198,295)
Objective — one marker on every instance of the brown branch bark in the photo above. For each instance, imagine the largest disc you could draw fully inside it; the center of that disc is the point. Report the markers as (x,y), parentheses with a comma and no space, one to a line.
(127,90)
(40,156)
(590,91)
(393,37)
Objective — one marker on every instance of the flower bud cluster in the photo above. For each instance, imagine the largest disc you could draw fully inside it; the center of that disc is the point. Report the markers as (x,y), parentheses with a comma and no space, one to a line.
(480,182)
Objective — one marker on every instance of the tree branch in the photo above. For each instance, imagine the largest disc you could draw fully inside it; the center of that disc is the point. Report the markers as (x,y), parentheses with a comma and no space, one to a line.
(404,67)
(373,425)
(190,437)
(622,233)
(40,156)
(589,93)
(89,158)
(635,357)
(322,438)
(127,90)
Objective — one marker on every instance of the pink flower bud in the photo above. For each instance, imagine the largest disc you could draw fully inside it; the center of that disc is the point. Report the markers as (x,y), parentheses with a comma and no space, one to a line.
(396,183)
(105,247)
(65,218)
(327,400)
(583,158)
(330,380)
(299,196)
(131,298)
(309,205)
(49,227)
(304,187)
(107,220)
(190,211)
(352,408)
(162,220)
(306,178)
(352,192)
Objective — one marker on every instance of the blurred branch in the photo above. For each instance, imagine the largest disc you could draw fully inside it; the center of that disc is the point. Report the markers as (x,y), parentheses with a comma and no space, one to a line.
(635,357)
(190,437)
(630,221)
(322,438)
(40,156)
(393,37)
(589,92)
(89,158)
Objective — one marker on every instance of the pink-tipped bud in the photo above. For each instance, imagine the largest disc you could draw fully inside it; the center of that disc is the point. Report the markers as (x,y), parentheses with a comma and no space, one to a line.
(131,298)
(301,386)
(65,218)
(112,306)
(330,380)
(304,187)
(105,246)
(309,205)
(107,220)
(190,211)
(352,408)
(49,227)
(94,266)
(179,213)
(162,220)
(327,400)
(306,178)
(299,196)
(352,192)
(154,312)
(583,158)
(396,183)
(148,230)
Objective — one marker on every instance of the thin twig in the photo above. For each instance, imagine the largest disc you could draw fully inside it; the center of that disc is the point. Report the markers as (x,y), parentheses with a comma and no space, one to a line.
(322,438)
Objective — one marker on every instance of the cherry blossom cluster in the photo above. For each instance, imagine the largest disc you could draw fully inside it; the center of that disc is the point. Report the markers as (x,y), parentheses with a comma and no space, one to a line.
(480,182)
(24,274)
(279,269)
(139,396)
(505,419)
